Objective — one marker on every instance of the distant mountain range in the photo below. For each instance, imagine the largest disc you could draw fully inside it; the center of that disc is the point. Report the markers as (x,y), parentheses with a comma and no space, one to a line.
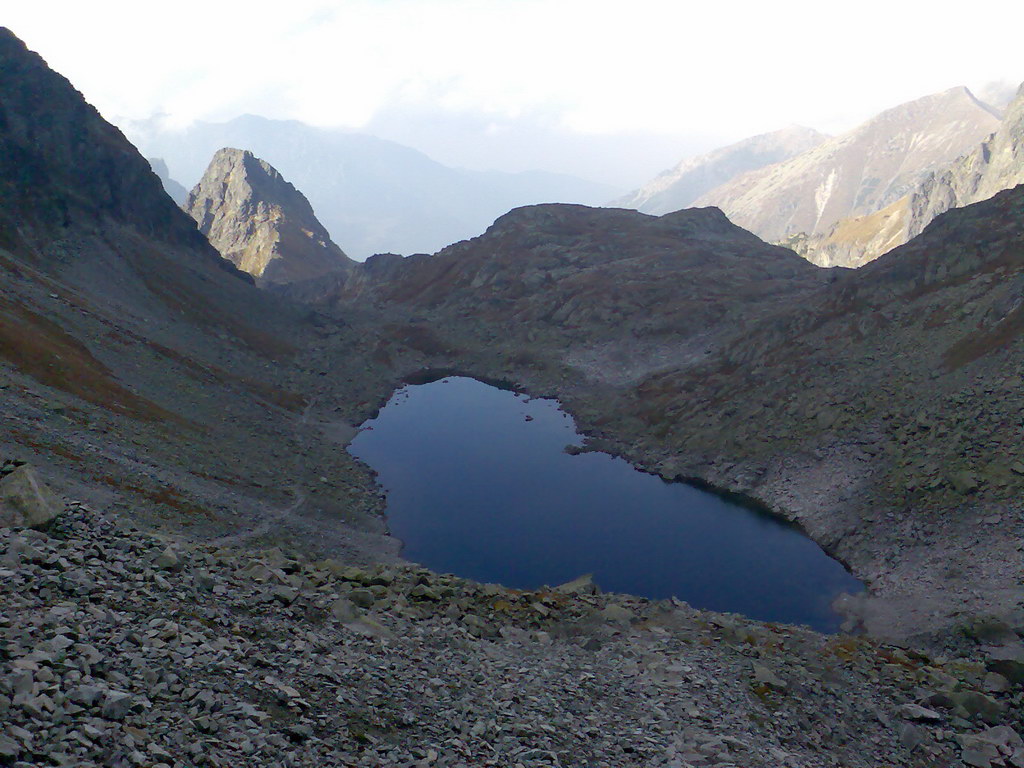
(373,195)
(992,165)
(860,171)
(678,187)
(845,200)
(174,189)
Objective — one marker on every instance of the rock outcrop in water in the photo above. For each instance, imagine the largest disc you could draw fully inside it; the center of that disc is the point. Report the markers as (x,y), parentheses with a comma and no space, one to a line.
(678,187)
(859,172)
(261,223)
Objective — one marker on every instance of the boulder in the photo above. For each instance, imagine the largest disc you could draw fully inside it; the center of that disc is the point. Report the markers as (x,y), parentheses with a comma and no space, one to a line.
(582,585)
(26,501)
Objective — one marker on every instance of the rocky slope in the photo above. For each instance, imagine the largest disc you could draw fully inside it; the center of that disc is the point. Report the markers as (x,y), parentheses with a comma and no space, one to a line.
(859,172)
(678,187)
(590,277)
(877,408)
(994,165)
(146,376)
(854,242)
(380,196)
(123,649)
(133,358)
(261,223)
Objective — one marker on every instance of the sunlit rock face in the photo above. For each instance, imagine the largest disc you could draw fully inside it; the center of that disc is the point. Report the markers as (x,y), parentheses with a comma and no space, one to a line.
(859,172)
(260,222)
(995,164)
(680,185)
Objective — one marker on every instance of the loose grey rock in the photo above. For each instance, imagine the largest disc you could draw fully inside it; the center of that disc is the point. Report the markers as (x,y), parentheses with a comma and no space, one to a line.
(765,676)
(922,714)
(116,705)
(167,560)
(26,501)
(363,598)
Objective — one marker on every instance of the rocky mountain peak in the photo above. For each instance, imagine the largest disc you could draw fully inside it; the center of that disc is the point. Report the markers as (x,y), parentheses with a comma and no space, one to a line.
(260,222)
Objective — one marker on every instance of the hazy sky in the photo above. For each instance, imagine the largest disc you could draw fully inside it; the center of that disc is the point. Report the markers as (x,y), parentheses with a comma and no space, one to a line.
(615,73)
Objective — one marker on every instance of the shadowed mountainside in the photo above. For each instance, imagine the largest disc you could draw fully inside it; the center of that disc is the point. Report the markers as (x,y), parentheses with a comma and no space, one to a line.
(134,358)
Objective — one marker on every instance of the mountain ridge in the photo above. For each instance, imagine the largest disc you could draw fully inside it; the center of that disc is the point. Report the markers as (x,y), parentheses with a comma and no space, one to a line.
(266,617)
(995,164)
(859,172)
(684,183)
(260,222)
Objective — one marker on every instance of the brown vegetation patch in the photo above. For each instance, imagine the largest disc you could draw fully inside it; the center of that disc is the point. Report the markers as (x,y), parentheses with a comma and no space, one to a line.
(40,446)
(42,350)
(381,355)
(289,401)
(164,496)
(977,345)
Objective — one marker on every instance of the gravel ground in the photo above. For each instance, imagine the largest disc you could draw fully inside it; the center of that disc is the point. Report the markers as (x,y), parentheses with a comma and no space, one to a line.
(118,648)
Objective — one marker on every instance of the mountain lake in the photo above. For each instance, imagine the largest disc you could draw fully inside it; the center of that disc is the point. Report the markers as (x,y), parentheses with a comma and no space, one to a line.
(479,484)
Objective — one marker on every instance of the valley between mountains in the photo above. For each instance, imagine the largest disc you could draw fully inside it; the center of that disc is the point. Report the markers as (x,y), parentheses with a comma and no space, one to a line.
(217,585)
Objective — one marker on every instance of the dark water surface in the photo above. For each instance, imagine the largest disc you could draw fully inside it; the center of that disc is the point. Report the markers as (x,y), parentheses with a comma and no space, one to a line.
(478,485)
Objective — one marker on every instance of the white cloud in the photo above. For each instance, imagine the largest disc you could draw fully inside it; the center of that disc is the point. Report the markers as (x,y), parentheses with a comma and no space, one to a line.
(662,66)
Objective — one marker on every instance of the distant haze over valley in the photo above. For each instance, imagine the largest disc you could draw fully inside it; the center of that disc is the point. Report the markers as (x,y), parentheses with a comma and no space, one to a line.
(838,200)
(372,195)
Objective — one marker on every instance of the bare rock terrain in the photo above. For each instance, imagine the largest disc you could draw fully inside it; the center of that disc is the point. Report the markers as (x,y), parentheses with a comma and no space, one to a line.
(995,164)
(679,186)
(859,172)
(122,649)
(261,223)
(222,590)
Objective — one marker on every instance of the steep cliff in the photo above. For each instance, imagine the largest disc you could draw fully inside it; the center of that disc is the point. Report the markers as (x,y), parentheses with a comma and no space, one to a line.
(261,223)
